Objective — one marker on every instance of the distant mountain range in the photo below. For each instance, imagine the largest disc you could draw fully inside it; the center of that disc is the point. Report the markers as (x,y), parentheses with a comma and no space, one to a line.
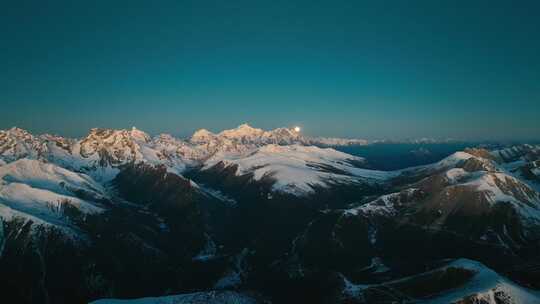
(254,216)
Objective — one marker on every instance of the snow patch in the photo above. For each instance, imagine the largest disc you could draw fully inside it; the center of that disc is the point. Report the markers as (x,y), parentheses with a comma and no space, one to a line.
(384,205)
(455,174)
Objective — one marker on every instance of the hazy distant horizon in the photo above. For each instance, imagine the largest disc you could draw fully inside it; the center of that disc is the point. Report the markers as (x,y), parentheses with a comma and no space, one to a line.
(187,134)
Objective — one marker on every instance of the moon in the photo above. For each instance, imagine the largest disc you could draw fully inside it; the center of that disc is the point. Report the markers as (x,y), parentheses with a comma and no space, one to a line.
(297,129)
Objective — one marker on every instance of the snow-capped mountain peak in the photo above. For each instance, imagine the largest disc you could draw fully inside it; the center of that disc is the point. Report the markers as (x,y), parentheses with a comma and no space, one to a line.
(248,135)
(18,131)
(202,136)
(139,135)
(242,131)
(111,135)
(110,146)
(17,143)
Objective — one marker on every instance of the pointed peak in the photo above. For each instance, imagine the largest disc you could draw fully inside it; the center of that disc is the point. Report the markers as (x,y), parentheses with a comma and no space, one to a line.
(202,135)
(134,133)
(244,126)
(202,132)
(242,131)
(18,132)
(139,135)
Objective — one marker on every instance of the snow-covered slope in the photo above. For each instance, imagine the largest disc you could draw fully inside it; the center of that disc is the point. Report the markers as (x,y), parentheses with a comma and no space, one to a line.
(245,133)
(280,154)
(38,174)
(486,286)
(497,186)
(110,148)
(479,189)
(17,143)
(40,192)
(466,194)
(298,169)
(100,153)
(451,161)
(513,153)
(103,151)
(387,205)
(461,281)
(485,200)
(209,297)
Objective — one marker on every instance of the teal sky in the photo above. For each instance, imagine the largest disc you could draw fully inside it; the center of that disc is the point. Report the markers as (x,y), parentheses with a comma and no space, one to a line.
(395,69)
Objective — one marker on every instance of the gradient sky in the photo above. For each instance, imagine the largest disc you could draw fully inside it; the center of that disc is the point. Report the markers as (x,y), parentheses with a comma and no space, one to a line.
(399,69)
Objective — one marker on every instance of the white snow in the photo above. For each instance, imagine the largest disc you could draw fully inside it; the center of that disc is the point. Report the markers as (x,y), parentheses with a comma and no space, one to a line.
(139,135)
(524,198)
(453,159)
(39,202)
(17,143)
(455,174)
(41,175)
(242,131)
(245,135)
(296,169)
(446,163)
(202,136)
(103,151)
(36,191)
(515,152)
(486,182)
(483,282)
(384,205)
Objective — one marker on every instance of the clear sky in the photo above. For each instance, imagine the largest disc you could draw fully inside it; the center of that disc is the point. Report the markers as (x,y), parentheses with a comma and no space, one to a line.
(394,69)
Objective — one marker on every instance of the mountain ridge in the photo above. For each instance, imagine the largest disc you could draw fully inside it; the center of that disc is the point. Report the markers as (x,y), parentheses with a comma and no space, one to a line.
(136,215)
